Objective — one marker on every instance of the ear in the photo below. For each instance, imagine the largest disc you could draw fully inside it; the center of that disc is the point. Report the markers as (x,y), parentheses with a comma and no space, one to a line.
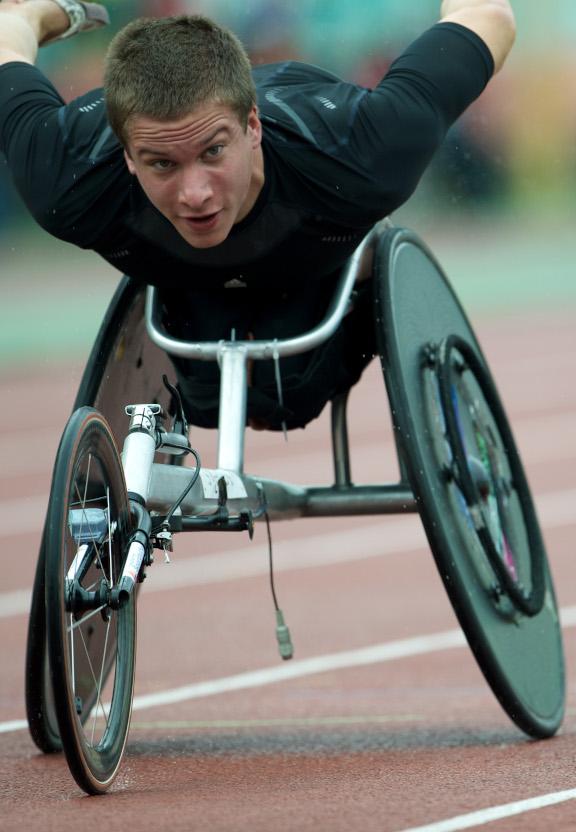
(254,127)
(130,163)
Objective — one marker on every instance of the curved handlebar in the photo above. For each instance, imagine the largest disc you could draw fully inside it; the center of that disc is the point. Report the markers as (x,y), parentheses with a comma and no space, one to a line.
(211,350)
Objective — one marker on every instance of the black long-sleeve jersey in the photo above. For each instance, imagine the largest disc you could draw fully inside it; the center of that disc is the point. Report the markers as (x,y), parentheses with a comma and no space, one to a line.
(338,157)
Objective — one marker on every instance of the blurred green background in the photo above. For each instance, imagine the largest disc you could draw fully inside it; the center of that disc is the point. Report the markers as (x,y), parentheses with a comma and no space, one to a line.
(498,205)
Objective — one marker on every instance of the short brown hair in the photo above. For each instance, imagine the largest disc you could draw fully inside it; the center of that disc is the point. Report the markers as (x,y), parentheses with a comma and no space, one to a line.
(164,68)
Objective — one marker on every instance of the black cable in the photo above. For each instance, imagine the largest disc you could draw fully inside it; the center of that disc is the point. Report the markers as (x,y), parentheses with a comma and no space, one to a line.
(283,637)
(177,504)
(270,563)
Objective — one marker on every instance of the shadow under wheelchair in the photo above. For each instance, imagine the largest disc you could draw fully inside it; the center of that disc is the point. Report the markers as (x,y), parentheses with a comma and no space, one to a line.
(373,738)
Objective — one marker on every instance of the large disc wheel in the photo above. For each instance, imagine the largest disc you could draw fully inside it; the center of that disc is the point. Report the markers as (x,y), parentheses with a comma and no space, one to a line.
(473,496)
(91,639)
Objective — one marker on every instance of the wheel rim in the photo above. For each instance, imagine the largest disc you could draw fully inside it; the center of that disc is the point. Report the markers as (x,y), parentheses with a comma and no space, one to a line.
(482,463)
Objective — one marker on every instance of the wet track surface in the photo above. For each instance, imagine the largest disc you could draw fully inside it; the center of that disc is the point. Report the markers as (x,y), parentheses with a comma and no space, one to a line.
(394,739)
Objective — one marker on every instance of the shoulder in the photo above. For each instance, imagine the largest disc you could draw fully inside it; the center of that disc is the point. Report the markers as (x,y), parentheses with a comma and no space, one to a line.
(295,85)
(446,51)
(288,73)
(85,128)
(302,102)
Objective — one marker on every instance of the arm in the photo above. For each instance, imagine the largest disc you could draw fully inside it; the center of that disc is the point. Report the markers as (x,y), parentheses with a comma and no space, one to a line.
(491,20)
(25,25)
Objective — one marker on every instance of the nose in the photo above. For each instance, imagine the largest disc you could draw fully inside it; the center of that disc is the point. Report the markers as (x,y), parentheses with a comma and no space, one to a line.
(195,188)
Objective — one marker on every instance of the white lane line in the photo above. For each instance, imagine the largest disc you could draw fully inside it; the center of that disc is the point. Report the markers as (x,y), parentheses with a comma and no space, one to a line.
(388,651)
(389,535)
(493,813)
(361,657)
(568,616)
(15,603)
(376,654)
(14,725)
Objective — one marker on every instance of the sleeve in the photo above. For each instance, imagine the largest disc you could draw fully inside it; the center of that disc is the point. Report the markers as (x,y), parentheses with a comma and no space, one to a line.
(401,123)
(65,162)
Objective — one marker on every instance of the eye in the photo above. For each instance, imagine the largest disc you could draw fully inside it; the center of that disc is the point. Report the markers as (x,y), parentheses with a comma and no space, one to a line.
(162,164)
(214,151)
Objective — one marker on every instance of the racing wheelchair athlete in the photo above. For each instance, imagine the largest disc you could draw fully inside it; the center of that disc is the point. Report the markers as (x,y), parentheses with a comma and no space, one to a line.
(249,201)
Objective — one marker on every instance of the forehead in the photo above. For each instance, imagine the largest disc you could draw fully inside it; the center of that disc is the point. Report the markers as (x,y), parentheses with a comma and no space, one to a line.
(195,127)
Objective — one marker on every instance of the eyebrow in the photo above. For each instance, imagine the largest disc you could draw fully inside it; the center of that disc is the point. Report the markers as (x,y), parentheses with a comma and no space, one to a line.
(204,144)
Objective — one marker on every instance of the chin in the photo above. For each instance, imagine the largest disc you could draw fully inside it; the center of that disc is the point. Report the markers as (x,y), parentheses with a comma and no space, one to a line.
(208,240)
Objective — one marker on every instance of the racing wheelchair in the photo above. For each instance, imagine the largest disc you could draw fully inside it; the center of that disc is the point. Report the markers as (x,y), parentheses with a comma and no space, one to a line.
(459,469)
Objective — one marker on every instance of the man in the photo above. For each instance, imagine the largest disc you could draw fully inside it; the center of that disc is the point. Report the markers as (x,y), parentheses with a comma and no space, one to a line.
(241,193)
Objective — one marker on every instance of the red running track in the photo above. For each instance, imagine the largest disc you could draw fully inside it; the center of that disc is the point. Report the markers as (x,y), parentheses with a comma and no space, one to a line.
(409,740)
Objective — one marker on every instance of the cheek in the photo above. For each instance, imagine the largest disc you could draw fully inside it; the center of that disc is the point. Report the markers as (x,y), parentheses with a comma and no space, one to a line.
(239,175)
(157,191)
(225,180)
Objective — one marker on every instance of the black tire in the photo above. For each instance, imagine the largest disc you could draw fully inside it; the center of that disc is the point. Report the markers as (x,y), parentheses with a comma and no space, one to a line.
(40,710)
(91,647)
(472,512)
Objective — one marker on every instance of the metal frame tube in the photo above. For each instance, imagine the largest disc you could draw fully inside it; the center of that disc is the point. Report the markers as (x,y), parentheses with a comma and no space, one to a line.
(340,444)
(232,411)
(140,447)
(284,501)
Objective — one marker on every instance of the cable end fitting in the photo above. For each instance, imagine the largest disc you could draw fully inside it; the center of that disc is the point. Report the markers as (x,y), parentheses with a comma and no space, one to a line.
(283,637)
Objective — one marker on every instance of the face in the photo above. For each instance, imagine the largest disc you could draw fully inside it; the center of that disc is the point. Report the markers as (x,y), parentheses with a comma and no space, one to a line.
(203,172)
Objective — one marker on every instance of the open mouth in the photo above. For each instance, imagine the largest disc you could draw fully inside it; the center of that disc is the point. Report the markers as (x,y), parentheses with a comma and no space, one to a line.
(204,222)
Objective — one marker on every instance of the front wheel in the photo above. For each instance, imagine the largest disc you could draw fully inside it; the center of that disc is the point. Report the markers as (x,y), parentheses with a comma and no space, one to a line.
(91,644)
